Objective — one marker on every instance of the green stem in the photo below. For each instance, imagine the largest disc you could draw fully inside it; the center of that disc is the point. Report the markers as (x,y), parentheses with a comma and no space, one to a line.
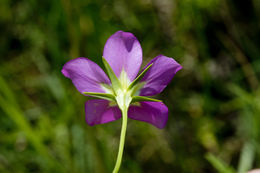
(122,140)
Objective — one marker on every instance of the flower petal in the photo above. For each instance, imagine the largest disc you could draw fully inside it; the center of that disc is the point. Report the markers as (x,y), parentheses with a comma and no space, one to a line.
(100,112)
(159,75)
(155,113)
(85,75)
(123,51)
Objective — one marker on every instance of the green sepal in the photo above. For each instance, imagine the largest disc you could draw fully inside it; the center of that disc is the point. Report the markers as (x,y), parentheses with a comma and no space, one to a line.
(142,98)
(136,88)
(139,77)
(114,80)
(105,96)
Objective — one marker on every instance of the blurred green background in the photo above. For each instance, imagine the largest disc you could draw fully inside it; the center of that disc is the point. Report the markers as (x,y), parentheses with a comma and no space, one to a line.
(214,101)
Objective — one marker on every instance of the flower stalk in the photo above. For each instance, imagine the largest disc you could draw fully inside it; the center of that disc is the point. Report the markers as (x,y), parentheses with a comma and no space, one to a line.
(122,140)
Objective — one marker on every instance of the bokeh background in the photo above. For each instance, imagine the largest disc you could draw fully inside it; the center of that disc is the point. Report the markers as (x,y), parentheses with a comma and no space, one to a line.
(214,101)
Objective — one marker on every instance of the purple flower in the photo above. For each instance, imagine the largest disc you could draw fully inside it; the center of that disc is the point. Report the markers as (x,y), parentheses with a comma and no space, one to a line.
(121,89)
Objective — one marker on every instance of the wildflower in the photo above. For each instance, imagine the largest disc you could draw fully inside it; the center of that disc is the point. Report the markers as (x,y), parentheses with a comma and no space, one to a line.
(120,93)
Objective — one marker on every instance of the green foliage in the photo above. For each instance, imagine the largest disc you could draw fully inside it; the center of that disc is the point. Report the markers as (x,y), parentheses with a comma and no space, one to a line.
(219,164)
(214,101)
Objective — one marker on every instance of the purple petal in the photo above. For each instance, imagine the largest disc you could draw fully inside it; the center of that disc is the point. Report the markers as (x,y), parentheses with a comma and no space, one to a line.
(159,75)
(155,113)
(123,51)
(85,75)
(100,112)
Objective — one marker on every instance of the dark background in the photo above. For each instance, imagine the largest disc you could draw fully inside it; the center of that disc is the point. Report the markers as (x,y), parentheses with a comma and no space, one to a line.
(214,101)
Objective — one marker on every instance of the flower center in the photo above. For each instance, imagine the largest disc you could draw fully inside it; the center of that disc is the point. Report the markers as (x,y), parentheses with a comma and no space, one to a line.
(123,94)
